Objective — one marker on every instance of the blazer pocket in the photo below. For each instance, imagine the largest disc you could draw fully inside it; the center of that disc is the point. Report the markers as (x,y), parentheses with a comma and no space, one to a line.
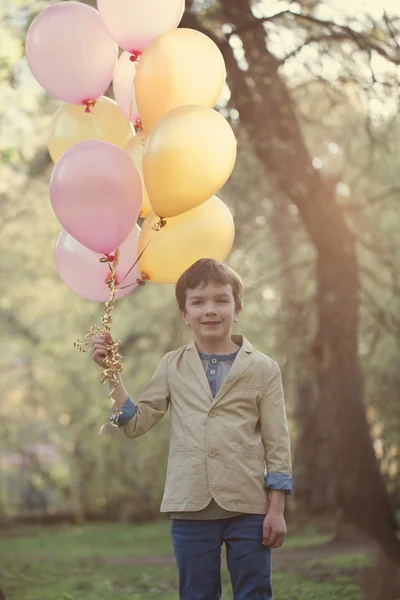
(247,445)
(250,456)
(179,451)
(179,446)
(248,386)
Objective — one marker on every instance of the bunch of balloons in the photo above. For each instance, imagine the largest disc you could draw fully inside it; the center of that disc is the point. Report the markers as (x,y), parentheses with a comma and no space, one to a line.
(159,152)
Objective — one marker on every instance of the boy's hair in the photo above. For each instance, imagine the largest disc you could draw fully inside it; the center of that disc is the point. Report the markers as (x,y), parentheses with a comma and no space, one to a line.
(205,271)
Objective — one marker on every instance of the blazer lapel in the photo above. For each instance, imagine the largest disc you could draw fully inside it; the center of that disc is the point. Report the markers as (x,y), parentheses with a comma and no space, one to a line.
(241,364)
(194,362)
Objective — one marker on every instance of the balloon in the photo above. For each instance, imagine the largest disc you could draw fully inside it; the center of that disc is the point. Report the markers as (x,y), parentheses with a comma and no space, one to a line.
(189,155)
(180,67)
(72,124)
(136,23)
(96,193)
(207,231)
(124,88)
(135,150)
(81,269)
(71,53)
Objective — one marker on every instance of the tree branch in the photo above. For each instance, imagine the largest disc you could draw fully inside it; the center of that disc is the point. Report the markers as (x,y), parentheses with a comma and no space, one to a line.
(385,254)
(373,201)
(336,32)
(371,274)
(133,339)
(311,40)
(387,320)
(363,41)
(18,327)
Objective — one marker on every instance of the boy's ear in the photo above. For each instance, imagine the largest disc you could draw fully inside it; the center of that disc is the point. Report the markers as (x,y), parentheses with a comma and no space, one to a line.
(184,317)
(237,316)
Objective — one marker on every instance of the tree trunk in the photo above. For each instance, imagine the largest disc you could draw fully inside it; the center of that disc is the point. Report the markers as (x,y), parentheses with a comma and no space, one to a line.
(312,449)
(267,112)
(381,582)
(312,457)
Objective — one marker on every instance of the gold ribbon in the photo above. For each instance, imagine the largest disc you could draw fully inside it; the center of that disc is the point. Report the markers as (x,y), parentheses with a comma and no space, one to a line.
(113,360)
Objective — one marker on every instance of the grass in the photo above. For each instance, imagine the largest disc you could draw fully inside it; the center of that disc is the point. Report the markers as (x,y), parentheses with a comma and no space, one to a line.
(82,563)
(115,540)
(353,562)
(93,540)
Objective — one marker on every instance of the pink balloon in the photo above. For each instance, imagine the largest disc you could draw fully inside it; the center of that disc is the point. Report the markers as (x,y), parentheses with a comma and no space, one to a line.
(123,87)
(96,193)
(134,24)
(71,53)
(81,269)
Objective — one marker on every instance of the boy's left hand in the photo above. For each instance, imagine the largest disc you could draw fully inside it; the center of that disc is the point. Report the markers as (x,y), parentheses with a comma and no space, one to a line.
(274,530)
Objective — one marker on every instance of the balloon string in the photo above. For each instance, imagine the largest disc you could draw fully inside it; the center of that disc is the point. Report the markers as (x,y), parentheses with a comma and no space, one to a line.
(96,126)
(131,99)
(135,58)
(90,104)
(134,265)
(113,360)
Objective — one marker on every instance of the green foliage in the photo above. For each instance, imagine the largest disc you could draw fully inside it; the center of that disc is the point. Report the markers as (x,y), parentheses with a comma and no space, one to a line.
(52,395)
(98,563)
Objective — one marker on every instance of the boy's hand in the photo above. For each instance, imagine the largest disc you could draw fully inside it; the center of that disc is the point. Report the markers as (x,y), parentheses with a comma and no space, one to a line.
(274,530)
(100,348)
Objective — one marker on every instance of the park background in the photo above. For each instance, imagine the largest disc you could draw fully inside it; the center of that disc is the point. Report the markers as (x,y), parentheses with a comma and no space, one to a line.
(312,95)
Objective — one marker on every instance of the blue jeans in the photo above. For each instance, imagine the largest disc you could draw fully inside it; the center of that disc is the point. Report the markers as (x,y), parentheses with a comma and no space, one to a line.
(197,546)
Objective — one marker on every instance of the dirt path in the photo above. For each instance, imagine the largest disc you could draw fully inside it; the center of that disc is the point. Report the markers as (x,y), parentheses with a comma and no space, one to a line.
(285,558)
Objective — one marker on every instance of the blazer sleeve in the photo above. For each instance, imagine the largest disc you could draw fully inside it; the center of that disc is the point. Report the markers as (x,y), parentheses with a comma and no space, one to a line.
(152,404)
(275,434)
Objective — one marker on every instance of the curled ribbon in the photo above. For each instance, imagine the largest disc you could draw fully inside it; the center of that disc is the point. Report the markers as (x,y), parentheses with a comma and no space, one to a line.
(113,360)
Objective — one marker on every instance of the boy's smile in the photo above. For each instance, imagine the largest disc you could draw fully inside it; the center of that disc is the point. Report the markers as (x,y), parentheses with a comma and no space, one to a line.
(210,311)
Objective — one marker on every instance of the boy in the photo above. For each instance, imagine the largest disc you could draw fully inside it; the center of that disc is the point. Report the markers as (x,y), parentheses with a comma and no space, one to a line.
(228,422)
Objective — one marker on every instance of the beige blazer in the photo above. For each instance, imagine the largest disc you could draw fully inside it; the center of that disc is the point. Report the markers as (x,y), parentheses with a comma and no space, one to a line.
(219,447)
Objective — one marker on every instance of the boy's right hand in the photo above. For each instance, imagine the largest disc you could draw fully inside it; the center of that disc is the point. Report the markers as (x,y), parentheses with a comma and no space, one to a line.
(100,348)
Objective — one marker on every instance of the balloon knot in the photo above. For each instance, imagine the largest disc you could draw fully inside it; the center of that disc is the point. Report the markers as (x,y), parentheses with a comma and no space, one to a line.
(143,279)
(107,258)
(138,126)
(108,280)
(135,56)
(160,224)
(89,105)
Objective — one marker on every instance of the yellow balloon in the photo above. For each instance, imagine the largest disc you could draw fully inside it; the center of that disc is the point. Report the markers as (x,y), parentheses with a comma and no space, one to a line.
(189,155)
(135,149)
(207,231)
(72,125)
(180,67)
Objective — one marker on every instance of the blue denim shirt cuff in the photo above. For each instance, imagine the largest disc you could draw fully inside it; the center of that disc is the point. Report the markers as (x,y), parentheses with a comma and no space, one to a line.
(279,481)
(124,415)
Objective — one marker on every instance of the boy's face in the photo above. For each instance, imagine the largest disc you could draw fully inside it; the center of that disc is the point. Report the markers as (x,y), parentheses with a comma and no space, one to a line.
(210,311)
